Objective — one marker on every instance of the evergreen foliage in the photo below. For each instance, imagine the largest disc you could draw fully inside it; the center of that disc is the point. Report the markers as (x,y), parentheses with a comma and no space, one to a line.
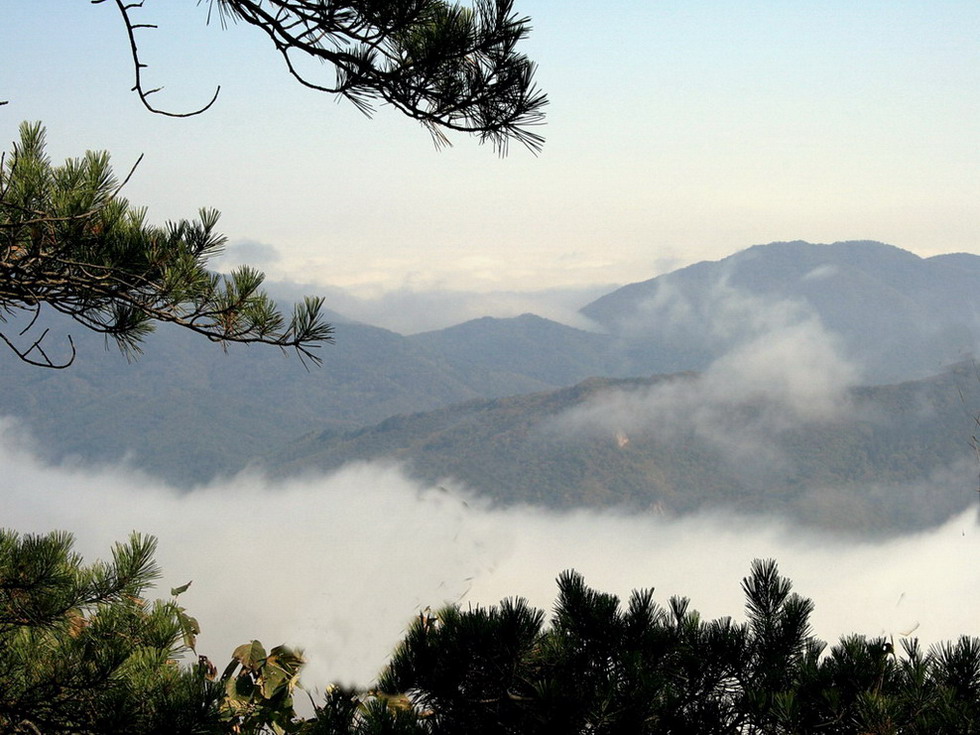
(82,651)
(600,668)
(448,66)
(69,241)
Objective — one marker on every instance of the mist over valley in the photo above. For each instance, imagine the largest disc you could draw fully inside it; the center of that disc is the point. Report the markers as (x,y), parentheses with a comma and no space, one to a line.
(781,355)
(349,558)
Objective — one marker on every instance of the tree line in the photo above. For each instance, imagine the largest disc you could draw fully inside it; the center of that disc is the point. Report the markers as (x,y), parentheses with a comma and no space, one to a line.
(83,650)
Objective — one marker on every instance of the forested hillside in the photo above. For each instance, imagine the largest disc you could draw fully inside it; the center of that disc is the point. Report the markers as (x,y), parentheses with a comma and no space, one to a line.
(229,404)
(898,315)
(893,457)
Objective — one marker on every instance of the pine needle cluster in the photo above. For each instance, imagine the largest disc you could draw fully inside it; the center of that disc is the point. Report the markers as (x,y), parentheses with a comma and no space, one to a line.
(70,242)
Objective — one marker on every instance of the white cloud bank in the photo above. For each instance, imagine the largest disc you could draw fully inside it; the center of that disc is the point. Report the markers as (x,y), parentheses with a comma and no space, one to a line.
(340,564)
(784,371)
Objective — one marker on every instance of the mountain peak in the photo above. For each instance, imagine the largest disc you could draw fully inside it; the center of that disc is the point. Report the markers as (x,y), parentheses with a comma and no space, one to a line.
(894,312)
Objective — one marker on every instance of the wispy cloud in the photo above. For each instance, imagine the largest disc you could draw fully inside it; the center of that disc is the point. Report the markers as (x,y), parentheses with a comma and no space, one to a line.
(783,371)
(247,252)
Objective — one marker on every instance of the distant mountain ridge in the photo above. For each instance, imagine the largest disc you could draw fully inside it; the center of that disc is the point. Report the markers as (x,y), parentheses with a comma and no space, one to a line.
(186,411)
(898,315)
(541,349)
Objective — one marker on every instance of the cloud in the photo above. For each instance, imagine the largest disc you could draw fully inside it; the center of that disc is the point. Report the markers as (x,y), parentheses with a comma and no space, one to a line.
(798,365)
(339,564)
(776,367)
(784,377)
(715,316)
(822,272)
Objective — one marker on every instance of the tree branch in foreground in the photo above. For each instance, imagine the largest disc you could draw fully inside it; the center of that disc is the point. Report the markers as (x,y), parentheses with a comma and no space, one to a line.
(69,241)
(450,67)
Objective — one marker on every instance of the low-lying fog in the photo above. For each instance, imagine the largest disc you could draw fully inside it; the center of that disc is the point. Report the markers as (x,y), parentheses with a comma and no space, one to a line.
(340,564)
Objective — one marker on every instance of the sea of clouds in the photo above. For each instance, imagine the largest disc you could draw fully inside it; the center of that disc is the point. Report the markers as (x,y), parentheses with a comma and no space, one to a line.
(340,564)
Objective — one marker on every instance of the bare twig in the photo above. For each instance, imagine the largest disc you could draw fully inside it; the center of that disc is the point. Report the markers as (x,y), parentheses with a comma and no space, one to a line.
(47,362)
(138,65)
(448,67)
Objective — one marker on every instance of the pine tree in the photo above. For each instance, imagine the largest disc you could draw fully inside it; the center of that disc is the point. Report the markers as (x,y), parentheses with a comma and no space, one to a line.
(70,242)
(450,67)
(82,651)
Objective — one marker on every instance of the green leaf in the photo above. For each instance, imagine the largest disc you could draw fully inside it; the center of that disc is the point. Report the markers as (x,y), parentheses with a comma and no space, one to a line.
(175,591)
(273,680)
(189,628)
(251,655)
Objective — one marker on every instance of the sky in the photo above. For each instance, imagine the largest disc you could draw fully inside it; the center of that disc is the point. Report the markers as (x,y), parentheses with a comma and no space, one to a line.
(676,132)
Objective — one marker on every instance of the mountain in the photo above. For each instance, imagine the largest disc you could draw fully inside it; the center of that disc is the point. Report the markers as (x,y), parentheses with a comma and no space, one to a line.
(892,457)
(188,411)
(538,348)
(896,314)
(893,314)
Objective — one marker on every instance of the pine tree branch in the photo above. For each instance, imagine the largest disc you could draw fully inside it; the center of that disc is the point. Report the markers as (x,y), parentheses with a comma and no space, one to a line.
(68,241)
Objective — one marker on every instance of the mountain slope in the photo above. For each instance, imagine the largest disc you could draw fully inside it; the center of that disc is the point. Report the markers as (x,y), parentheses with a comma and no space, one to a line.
(186,411)
(539,348)
(897,315)
(891,457)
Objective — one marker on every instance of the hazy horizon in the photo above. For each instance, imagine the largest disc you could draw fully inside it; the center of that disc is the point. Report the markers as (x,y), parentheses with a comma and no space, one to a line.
(410,309)
(692,131)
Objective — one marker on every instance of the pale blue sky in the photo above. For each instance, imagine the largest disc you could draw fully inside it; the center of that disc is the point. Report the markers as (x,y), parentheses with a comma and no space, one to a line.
(677,131)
